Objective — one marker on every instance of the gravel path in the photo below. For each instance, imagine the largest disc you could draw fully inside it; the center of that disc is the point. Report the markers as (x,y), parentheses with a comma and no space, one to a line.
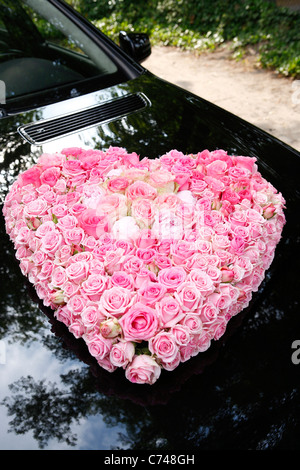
(261,97)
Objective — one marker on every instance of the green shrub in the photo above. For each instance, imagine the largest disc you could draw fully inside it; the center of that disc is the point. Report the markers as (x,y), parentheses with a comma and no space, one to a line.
(204,24)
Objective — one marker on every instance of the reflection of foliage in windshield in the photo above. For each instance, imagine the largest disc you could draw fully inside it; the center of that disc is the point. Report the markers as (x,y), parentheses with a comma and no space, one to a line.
(49,32)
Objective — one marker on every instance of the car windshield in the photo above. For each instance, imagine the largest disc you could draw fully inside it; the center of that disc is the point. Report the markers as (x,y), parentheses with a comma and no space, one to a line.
(42,49)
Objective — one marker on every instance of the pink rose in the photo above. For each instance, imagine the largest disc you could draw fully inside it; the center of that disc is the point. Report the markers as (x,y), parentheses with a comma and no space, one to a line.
(114,260)
(98,346)
(46,270)
(60,210)
(116,301)
(202,281)
(77,303)
(77,328)
(146,254)
(237,245)
(31,176)
(59,276)
(181,333)
(51,242)
(216,168)
(74,236)
(202,341)
(143,370)
(64,315)
(245,162)
(169,311)
(123,279)
(93,224)
(140,189)
(164,346)
(89,159)
(94,286)
(171,365)
(23,236)
(45,228)
(67,222)
(91,315)
(189,296)
(162,261)
(187,351)
(214,273)
(193,323)
(133,265)
(167,200)
(230,196)
(127,246)
(72,168)
(144,276)
(118,184)
(218,328)
(198,186)
(238,217)
(139,323)
(48,160)
(151,292)
(36,208)
(170,158)
(209,312)
(146,239)
(220,300)
(238,172)
(221,242)
(172,277)
(162,178)
(114,205)
(50,176)
(164,247)
(122,353)
(143,210)
(77,271)
(182,250)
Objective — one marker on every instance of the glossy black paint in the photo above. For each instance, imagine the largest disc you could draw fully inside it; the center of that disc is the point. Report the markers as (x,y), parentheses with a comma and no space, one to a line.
(241,394)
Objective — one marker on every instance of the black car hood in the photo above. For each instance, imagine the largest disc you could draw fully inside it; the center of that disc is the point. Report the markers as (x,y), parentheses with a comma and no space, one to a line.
(163,117)
(251,387)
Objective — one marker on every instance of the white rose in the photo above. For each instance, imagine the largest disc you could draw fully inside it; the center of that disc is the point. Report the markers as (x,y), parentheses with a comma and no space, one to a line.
(186,196)
(125,228)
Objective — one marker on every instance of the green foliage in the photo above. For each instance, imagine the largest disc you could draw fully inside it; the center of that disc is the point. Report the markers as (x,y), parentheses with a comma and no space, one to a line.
(203,24)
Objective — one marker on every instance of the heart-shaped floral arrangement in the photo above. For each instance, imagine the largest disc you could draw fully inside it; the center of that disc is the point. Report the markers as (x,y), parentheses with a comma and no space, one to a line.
(146,260)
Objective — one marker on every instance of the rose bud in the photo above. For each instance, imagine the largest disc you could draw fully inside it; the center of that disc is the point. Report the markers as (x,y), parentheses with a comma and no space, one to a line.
(227,275)
(57,297)
(110,328)
(268,211)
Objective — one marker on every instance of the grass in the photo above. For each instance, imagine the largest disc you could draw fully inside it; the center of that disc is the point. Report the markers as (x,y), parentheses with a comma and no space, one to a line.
(201,25)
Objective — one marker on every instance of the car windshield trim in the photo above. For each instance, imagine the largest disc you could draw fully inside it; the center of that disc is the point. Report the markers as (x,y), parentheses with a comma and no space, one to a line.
(51,70)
